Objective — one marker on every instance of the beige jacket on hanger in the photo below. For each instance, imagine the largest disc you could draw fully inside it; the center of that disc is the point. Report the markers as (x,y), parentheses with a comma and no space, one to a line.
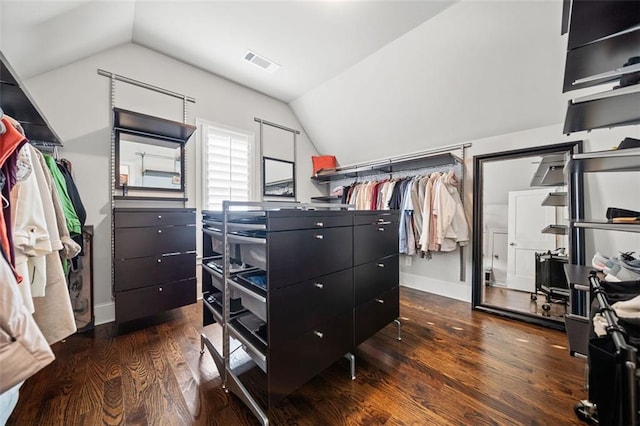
(53,312)
(23,349)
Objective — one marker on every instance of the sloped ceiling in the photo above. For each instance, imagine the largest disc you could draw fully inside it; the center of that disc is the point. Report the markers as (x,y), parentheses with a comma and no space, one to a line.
(477,69)
(313,41)
(366,79)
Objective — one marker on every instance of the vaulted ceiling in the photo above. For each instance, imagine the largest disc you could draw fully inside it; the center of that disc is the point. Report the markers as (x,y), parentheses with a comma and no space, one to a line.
(313,41)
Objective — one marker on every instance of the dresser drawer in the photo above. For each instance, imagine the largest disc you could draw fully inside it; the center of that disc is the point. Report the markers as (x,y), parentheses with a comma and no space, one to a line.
(309,222)
(129,218)
(145,242)
(152,300)
(296,256)
(146,271)
(299,307)
(371,242)
(374,217)
(376,314)
(293,364)
(373,278)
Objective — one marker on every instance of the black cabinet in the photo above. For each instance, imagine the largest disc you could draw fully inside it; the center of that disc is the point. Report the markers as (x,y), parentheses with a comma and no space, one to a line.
(375,272)
(376,313)
(154,260)
(298,289)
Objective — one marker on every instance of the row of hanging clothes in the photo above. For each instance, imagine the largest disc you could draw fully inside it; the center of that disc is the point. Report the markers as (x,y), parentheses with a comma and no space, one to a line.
(40,233)
(432,217)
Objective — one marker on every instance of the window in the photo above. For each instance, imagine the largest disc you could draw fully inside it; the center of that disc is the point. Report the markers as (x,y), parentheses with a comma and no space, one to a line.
(227,167)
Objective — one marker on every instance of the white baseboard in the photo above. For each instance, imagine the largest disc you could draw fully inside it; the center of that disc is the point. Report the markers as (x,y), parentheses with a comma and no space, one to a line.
(459,291)
(105,312)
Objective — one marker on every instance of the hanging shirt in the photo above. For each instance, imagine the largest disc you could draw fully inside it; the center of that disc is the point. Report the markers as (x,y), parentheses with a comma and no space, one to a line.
(73,223)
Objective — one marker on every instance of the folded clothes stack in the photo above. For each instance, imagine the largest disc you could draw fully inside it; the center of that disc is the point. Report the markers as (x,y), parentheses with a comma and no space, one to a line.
(624,267)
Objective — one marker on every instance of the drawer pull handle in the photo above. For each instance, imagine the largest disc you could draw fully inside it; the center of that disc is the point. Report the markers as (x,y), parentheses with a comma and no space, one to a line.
(380,301)
(381,229)
(319,334)
(159,260)
(319,236)
(380,265)
(159,216)
(160,289)
(319,224)
(380,220)
(319,285)
(159,231)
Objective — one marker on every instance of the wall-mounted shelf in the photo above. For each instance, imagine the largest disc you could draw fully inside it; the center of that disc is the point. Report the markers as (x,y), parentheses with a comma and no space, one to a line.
(328,198)
(605,112)
(388,166)
(17,103)
(604,161)
(149,125)
(549,171)
(556,230)
(555,199)
(141,198)
(159,173)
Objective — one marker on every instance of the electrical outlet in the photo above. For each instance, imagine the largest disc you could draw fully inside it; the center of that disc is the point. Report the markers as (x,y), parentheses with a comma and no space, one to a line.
(408,260)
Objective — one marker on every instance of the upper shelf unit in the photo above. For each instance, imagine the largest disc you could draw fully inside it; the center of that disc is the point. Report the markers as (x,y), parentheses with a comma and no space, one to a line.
(603,112)
(606,161)
(388,166)
(603,48)
(16,102)
(148,125)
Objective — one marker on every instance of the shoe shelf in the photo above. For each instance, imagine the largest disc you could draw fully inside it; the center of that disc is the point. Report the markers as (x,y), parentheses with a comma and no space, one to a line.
(608,226)
(623,160)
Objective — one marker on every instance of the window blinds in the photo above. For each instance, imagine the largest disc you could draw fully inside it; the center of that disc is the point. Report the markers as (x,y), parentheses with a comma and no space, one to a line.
(228,168)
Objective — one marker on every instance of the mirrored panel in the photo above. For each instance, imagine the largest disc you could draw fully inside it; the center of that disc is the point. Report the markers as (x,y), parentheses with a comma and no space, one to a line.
(521,233)
(148,163)
(279,178)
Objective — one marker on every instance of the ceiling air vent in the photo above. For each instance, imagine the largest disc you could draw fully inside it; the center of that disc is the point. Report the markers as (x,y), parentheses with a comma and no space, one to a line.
(261,61)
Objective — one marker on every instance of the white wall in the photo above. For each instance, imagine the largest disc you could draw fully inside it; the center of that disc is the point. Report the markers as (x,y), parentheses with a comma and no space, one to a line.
(478,69)
(440,274)
(75,100)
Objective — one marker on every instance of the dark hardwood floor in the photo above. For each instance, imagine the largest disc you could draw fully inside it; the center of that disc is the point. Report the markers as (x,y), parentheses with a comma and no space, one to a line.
(453,367)
(520,301)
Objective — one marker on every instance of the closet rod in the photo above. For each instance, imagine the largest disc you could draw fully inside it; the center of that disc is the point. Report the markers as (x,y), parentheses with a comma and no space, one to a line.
(412,156)
(279,126)
(142,84)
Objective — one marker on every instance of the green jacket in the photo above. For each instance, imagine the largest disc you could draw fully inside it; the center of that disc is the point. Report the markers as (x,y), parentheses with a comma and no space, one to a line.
(70,216)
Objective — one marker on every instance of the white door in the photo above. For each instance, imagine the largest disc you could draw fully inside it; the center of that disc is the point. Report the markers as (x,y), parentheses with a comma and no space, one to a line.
(499,261)
(527,219)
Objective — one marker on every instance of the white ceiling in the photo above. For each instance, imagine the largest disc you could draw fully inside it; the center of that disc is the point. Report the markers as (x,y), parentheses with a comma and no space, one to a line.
(313,41)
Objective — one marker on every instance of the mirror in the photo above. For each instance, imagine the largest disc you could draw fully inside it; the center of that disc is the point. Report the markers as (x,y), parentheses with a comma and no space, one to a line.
(521,233)
(279,178)
(148,163)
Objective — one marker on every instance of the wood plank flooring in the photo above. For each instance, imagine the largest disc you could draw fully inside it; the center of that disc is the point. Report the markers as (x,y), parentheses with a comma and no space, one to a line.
(520,301)
(453,367)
